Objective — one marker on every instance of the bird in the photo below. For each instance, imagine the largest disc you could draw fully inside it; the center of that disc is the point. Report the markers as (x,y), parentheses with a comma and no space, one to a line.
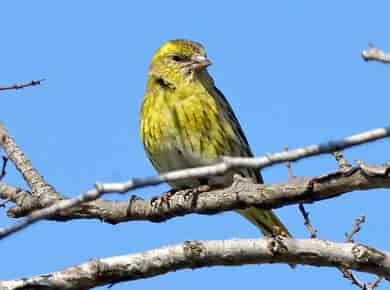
(187,122)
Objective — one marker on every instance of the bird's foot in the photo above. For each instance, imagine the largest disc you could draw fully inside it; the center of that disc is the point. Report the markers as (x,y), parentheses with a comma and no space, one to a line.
(158,200)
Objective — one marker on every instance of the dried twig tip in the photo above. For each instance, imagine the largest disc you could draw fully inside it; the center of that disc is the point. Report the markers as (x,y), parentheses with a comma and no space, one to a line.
(356,228)
(344,165)
(308,225)
(22,85)
(3,172)
(290,172)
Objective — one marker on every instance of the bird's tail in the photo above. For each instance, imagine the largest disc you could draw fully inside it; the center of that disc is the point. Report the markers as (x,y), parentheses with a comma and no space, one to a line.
(266,221)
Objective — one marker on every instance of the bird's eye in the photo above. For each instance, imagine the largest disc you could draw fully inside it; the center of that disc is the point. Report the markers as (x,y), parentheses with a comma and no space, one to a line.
(178,58)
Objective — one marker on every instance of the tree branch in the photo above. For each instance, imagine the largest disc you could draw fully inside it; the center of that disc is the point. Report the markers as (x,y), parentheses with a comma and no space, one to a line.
(376,54)
(22,85)
(242,193)
(347,273)
(146,210)
(3,167)
(307,222)
(356,228)
(38,185)
(198,254)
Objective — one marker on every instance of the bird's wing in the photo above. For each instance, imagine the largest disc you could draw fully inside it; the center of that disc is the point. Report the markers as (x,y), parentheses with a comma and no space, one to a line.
(238,130)
(266,220)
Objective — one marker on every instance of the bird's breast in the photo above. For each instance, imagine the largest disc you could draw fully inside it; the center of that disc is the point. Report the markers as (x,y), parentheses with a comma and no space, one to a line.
(186,132)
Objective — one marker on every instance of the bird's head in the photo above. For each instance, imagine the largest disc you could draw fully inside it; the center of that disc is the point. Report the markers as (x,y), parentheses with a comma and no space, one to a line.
(178,60)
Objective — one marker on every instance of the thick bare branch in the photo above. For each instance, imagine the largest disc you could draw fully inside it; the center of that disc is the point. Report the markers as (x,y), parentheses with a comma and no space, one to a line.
(198,254)
(47,212)
(376,54)
(38,185)
(241,194)
(46,191)
(22,85)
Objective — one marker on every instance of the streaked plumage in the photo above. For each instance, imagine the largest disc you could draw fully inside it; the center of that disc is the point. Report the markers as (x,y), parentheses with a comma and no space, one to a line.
(187,122)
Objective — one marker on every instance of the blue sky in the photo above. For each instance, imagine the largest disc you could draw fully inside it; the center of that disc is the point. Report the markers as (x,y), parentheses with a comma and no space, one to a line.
(291,70)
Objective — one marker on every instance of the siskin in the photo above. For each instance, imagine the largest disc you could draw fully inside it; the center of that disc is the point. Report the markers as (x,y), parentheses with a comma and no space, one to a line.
(187,122)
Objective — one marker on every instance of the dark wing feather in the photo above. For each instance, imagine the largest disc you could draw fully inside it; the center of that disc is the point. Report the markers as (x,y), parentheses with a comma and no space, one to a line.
(238,130)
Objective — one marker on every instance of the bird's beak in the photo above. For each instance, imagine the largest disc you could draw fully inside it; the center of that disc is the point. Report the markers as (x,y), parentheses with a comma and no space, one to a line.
(199,61)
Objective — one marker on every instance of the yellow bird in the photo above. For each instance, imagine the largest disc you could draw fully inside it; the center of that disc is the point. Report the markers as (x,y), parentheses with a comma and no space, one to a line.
(187,122)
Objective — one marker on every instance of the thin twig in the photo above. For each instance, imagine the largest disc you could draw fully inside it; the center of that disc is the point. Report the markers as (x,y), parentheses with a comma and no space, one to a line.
(308,225)
(247,162)
(375,283)
(356,228)
(290,172)
(347,273)
(351,277)
(313,234)
(3,172)
(305,214)
(344,165)
(21,85)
